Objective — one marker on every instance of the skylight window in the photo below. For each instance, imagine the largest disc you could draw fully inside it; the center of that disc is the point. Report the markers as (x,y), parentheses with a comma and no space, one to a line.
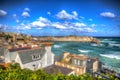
(36,57)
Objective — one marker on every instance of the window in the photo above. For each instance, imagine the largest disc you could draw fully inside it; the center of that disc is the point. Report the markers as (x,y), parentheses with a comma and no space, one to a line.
(36,56)
(78,62)
(75,61)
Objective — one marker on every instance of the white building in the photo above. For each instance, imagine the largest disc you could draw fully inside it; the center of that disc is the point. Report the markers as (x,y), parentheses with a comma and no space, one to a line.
(34,58)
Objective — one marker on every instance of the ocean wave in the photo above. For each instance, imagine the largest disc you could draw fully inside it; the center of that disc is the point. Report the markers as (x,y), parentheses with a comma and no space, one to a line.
(84,51)
(114,45)
(97,44)
(56,46)
(108,41)
(114,56)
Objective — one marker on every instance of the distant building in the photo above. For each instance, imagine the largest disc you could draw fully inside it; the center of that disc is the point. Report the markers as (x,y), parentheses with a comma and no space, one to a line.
(79,63)
(3,51)
(54,69)
(32,58)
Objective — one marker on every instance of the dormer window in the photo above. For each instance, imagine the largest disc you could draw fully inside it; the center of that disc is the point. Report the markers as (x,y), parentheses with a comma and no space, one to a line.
(36,57)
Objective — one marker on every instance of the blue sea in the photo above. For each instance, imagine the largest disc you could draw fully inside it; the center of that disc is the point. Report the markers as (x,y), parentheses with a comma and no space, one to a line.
(108,51)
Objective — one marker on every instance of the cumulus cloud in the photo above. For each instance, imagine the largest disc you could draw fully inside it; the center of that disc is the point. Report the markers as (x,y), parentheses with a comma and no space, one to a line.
(25,14)
(75,13)
(58,25)
(93,25)
(44,20)
(81,17)
(79,24)
(89,30)
(3,13)
(86,29)
(41,22)
(27,9)
(108,14)
(64,15)
(3,27)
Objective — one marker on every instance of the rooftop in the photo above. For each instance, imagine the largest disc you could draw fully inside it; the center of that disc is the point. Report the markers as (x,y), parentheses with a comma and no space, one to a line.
(80,57)
(54,69)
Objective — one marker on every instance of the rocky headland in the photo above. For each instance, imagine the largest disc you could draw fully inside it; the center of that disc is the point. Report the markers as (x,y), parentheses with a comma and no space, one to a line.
(71,38)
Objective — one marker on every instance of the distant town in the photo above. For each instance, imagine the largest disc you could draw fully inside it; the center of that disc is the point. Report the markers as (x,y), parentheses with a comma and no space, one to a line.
(35,53)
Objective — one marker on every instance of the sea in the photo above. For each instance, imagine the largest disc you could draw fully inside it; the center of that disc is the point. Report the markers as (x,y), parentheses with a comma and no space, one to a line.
(108,51)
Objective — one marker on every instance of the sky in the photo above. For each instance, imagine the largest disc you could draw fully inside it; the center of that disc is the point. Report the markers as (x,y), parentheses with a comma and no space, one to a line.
(61,17)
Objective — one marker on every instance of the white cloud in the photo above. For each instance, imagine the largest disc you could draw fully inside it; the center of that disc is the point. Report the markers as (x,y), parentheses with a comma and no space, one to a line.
(39,28)
(3,13)
(44,20)
(3,27)
(27,27)
(93,25)
(58,25)
(79,24)
(89,30)
(41,22)
(17,21)
(16,18)
(108,14)
(14,15)
(81,17)
(64,15)
(25,14)
(85,29)
(27,9)
(90,19)
(38,24)
(49,13)
(75,13)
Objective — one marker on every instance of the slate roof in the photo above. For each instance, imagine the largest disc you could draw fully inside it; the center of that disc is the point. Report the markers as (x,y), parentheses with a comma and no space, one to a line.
(59,57)
(18,49)
(26,55)
(89,65)
(53,69)
(1,51)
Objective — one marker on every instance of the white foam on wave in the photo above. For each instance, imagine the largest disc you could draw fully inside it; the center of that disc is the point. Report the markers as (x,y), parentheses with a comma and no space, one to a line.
(56,46)
(115,56)
(108,41)
(84,51)
(94,44)
(97,44)
(116,45)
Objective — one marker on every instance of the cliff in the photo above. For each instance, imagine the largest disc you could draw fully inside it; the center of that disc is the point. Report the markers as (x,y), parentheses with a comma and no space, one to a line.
(71,38)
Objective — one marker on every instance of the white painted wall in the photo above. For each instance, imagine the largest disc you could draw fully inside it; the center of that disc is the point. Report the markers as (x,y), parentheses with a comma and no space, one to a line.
(49,55)
(18,60)
(7,57)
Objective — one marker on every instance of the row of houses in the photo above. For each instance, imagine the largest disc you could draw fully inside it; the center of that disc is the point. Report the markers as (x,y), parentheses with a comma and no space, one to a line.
(43,57)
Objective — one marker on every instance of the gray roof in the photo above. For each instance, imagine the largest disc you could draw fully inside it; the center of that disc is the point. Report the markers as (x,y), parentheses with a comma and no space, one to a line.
(13,55)
(59,57)
(1,51)
(26,55)
(53,69)
(89,66)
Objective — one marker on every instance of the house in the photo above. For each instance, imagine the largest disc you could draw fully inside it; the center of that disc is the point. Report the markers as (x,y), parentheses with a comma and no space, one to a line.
(32,58)
(54,69)
(79,63)
(3,52)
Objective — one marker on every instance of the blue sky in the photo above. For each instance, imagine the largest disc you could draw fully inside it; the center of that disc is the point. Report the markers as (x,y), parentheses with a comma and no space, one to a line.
(61,17)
